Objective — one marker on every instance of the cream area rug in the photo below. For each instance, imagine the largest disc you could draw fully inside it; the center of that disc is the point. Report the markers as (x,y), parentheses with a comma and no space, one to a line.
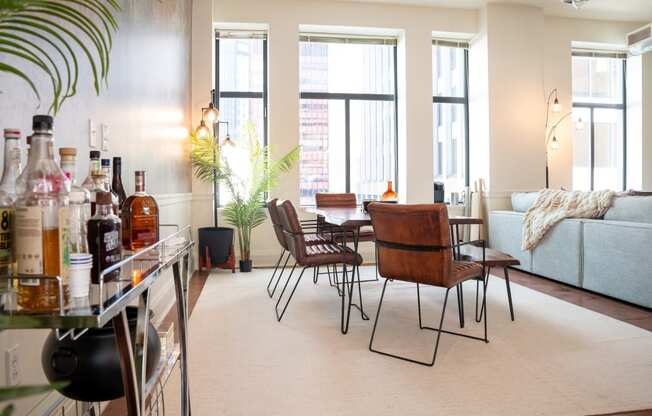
(555,359)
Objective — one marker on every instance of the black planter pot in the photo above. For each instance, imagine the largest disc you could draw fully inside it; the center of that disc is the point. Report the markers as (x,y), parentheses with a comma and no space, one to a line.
(245,266)
(218,240)
(91,364)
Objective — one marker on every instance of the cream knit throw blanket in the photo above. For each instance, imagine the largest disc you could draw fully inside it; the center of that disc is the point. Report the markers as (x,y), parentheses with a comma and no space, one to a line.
(552,206)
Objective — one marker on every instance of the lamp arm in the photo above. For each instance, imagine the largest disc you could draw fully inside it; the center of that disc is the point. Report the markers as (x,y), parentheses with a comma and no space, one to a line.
(554,91)
(554,126)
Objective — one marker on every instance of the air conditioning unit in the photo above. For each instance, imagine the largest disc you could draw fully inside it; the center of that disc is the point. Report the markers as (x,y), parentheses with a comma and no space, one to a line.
(640,40)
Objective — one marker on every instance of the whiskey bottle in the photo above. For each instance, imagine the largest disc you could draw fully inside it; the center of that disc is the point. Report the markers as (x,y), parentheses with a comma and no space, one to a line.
(41,224)
(116,183)
(106,171)
(8,198)
(139,218)
(104,239)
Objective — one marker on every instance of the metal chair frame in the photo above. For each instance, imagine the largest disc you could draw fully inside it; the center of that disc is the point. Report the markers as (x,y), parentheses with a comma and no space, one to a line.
(440,329)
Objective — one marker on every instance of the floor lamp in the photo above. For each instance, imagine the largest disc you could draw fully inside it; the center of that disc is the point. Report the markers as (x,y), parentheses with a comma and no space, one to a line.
(551,141)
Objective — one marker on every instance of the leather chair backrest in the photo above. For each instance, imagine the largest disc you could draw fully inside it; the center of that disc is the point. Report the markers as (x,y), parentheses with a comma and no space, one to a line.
(413,242)
(276,222)
(328,200)
(296,243)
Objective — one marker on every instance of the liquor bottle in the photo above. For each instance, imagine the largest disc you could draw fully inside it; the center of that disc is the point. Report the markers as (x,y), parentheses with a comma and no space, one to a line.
(106,171)
(8,198)
(104,238)
(93,169)
(41,224)
(21,181)
(80,202)
(116,183)
(139,217)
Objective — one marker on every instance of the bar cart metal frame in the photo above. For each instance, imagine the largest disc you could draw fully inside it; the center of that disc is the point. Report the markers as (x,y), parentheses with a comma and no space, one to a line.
(111,308)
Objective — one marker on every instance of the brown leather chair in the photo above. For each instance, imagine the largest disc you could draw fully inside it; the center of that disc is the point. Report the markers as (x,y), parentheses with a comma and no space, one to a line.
(414,245)
(312,256)
(280,236)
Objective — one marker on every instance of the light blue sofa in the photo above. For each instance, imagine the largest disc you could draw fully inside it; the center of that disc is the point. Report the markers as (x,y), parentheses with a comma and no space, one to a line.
(610,256)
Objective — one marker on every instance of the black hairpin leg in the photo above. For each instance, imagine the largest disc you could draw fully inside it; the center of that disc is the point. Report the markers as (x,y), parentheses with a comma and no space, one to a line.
(485,281)
(279,317)
(280,275)
(275,270)
(509,294)
(315,274)
(460,303)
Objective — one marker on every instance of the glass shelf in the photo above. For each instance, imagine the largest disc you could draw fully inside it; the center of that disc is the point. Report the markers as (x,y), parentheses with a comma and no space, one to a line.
(138,271)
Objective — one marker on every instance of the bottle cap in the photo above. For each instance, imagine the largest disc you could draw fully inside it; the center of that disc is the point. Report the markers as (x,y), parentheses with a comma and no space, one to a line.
(103,198)
(67,151)
(95,154)
(12,134)
(106,162)
(77,197)
(42,122)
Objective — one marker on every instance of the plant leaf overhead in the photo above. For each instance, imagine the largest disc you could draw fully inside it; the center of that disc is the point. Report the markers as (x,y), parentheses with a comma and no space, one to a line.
(50,34)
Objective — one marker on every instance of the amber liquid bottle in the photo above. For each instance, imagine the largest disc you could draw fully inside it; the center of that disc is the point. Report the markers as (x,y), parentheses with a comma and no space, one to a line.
(104,238)
(41,225)
(139,218)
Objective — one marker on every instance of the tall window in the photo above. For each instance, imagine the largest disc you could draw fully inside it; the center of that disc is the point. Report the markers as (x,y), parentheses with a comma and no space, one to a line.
(450,111)
(347,116)
(241,82)
(599,97)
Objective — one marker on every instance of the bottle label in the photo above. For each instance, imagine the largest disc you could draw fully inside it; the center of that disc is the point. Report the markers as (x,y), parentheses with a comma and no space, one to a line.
(111,240)
(29,244)
(64,247)
(144,228)
(6,218)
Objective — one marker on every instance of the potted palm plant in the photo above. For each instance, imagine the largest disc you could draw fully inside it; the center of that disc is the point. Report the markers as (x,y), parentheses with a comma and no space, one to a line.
(248,171)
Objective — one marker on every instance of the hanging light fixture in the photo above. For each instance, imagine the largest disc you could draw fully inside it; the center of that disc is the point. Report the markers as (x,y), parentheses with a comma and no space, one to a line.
(202,131)
(579,125)
(554,144)
(556,107)
(210,113)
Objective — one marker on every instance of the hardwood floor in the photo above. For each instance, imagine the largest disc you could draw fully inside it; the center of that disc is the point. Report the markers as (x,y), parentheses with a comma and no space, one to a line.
(622,311)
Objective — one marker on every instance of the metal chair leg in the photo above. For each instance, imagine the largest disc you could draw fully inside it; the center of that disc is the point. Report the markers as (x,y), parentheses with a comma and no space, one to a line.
(279,317)
(439,330)
(274,273)
(460,303)
(280,275)
(315,275)
(509,294)
(485,282)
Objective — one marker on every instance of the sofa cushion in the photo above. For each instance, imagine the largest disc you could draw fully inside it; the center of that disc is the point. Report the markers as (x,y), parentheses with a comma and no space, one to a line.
(522,201)
(631,208)
(505,235)
(617,260)
(559,255)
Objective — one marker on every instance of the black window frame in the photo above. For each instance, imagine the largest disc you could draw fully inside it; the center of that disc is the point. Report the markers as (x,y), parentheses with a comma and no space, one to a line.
(438,99)
(593,106)
(242,94)
(347,98)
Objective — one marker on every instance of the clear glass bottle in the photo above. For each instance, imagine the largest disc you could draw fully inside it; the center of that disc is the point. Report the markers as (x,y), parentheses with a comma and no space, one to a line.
(41,224)
(22,178)
(116,182)
(10,173)
(94,168)
(104,238)
(140,219)
(68,162)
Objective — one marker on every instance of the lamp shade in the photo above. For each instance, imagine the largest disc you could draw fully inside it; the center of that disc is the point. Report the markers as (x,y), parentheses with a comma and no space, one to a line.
(554,144)
(211,113)
(202,131)
(579,125)
(556,107)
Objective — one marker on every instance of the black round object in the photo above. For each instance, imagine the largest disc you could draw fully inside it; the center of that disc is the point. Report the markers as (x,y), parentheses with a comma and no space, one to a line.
(42,122)
(245,266)
(218,240)
(91,364)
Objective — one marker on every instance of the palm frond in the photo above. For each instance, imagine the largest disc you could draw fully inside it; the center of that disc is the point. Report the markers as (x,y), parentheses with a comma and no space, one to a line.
(87,24)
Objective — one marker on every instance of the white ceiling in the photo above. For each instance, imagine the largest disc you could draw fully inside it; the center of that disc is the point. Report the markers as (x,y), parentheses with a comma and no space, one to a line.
(623,10)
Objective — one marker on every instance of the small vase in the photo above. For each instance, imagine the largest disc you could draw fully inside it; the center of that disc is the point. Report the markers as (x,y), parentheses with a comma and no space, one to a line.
(389,195)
